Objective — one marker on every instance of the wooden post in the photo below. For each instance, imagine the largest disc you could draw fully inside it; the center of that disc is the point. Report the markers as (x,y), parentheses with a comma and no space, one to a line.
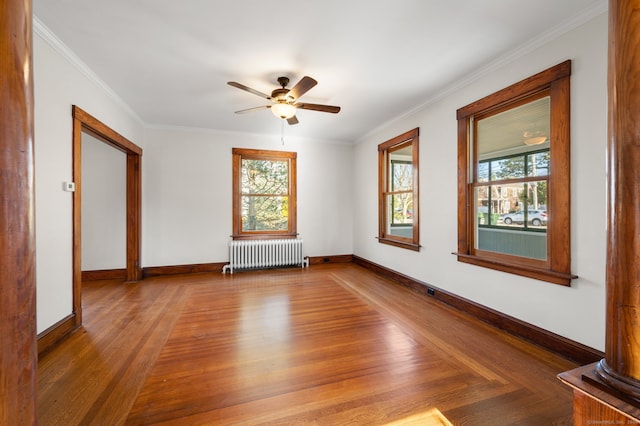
(608,392)
(621,366)
(18,350)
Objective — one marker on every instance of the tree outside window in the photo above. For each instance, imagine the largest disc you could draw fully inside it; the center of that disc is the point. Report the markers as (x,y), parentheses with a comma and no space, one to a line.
(264,194)
(402,193)
(265,187)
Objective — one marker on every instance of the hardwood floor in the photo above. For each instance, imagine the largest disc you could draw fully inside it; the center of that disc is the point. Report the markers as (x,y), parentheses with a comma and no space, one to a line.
(331,344)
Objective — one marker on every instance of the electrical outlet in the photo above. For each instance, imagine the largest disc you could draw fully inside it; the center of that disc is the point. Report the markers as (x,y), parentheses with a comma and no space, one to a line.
(431,291)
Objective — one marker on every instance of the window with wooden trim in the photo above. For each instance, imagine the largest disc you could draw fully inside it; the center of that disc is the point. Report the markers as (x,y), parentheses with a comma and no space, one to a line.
(398,191)
(514,178)
(264,194)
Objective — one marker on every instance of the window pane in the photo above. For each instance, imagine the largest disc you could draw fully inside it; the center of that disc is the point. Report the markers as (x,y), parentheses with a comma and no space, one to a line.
(265,213)
(515,167)
(508,168)
(401,175)
(524,128)
(517,242)
(508,220)
(538,164)
(483,171)
(400,206)
(536,196)
(399,209)
(265,177)
(524,205)
(493,201)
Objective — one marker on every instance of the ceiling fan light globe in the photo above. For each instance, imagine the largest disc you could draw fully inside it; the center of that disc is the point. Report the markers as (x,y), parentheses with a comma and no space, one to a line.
(283,110)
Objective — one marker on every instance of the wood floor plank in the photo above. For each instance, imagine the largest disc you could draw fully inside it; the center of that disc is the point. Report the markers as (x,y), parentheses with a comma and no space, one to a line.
(104,365)
(332,344)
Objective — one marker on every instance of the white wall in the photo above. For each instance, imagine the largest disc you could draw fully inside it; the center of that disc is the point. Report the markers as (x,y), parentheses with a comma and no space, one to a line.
(104,205)
(576,312)
(57,86)
(187,194)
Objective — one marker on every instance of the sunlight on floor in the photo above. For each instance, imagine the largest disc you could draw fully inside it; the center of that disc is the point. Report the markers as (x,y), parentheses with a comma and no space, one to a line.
(428,418)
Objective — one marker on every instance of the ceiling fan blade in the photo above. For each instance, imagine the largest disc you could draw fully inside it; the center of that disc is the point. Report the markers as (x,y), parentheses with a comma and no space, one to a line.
(292,120)
(248,89)
(317,107)
(302,87)
(242,111)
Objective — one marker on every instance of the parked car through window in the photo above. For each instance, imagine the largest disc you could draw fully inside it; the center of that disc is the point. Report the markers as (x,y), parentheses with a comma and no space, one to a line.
(533,217)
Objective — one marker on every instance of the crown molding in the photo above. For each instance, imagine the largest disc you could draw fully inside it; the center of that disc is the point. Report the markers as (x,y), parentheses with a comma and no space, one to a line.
(56,44)
(596,9)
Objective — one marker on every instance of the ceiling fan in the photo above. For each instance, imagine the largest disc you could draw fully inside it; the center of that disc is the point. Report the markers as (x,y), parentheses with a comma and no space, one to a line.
(285,101)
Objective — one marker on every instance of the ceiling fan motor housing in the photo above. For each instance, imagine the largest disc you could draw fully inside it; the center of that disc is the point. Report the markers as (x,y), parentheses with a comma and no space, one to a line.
(280,95)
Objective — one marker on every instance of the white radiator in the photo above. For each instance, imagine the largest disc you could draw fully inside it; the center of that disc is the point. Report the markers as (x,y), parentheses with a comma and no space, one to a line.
(255,254)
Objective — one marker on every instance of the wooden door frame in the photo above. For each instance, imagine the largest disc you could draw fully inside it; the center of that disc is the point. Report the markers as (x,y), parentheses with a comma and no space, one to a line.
(84,122)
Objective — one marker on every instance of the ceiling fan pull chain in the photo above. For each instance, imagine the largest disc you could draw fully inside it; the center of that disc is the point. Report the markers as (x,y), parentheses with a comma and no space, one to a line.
(282,131)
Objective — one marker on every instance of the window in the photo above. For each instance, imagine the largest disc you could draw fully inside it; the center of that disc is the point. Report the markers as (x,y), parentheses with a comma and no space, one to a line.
(264,194)
(398,191)
(513,179)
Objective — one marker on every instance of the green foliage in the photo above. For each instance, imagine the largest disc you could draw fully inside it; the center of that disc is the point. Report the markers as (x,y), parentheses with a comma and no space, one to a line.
(265,201)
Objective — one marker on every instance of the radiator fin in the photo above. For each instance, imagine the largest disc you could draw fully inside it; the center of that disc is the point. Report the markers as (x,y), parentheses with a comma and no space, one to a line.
(260,254)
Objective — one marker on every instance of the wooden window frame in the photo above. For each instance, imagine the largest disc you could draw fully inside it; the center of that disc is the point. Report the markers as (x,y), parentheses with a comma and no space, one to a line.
(412,136)
(557,267)
(238,155)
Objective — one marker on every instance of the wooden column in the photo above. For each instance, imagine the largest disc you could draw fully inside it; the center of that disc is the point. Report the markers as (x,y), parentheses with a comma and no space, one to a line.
(621,366)
(18,347)
(608,392)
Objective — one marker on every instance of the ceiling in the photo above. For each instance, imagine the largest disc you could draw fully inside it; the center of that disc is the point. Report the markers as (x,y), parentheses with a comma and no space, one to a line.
(169,60)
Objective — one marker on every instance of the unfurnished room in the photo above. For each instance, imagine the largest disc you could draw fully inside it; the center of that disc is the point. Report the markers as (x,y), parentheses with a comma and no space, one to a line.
(320,212)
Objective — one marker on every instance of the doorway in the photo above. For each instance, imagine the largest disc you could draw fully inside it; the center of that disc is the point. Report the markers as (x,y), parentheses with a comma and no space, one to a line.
(87,124)
(104,183)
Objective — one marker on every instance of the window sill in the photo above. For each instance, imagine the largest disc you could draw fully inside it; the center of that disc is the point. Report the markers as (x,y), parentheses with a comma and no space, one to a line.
(263,236)
(401,244)
(553,277)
